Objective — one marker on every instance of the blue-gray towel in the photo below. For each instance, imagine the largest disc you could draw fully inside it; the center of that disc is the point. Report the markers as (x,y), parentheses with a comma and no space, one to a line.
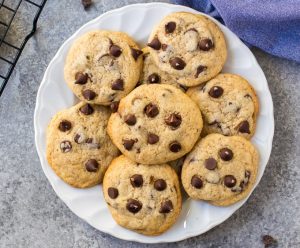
(272,25)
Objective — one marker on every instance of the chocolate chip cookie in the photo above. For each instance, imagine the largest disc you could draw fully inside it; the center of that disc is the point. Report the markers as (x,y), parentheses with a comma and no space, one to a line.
(155,123)
(229,105)
(151,74)
(78,147)
(220,169)
(143,198)
(103,66)
(190,47)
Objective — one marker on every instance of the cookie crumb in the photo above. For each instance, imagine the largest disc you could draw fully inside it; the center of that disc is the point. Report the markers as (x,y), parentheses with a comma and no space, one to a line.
(269,241)
(86,3)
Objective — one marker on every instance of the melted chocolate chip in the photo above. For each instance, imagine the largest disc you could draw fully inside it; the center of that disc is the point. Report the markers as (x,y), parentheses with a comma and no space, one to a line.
(130,119)
(205,44)
(115,50)
(92,165)
(113,193)
(64,125)
(136,181)
(229,181)
(155,44)
(216,91)
(160,184)
(166,207)
(244,127)
(152,138)
(173,120)
(151,110)
(89,95)
(185,88)
(225,154)
(210,164)
(128,144)
(78,139)
(200,69)
(134,206)
(118,84)
(114,106)
(175,146)
(177,63)
(65,146)
(86,109)
(170,27)
(81,78)
(196,182)
(154,78)
(136,53)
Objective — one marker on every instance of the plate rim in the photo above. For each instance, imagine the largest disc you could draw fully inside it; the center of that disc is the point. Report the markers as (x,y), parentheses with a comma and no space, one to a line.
(155,239)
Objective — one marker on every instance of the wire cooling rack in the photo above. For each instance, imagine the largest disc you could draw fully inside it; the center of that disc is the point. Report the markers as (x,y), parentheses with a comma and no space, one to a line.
(11,44)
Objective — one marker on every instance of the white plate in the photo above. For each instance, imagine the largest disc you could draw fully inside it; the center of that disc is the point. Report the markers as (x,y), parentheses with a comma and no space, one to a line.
(137,20)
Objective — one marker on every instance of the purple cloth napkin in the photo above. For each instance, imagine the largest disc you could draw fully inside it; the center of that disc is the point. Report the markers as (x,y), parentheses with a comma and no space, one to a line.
(272,25)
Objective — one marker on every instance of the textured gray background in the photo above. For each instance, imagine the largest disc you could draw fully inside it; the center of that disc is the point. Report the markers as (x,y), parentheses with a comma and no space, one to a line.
(31,215)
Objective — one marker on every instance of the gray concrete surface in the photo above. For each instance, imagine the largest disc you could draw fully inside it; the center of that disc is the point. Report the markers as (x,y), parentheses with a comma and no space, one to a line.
(31,215)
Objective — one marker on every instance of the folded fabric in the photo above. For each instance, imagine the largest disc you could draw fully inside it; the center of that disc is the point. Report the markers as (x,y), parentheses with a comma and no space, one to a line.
(272,25)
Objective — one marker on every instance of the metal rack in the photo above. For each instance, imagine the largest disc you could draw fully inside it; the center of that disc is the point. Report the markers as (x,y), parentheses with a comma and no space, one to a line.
(9,62)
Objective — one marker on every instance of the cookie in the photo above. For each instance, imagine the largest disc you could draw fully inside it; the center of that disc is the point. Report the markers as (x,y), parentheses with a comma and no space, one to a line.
(220,169)
(229,105)
(190,47)
(155,123)
(143,198)
(103,66)
(151,74)
(78,147)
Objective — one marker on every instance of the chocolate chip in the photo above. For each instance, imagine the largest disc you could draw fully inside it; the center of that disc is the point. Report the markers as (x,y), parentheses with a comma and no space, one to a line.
(134,206)
(78,138)
(200,69)
(86,109)
(244,127)
(151,110)
(64,125)
(166,207)
(114,106)
(81,78)
(164,47)
(210,163)
(155,44)
(112,192)
(86,3)
(118,84)
(229,181)
(196,182)
(65,146)
(175,146)
(136,53)
(205,44)
(152,138)
(160,184)
(89,140)
(248,96)
(92,165)
(136,181)
(128,144)
(115,50)
(215,92)
(154,78)
(173,120)
(269,241)
(130,119)
(89,95)
(185,88)
(177,63)
(225,154)
(170,27)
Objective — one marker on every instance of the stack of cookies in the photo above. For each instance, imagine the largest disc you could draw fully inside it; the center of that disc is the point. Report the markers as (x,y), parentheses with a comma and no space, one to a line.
(166,102)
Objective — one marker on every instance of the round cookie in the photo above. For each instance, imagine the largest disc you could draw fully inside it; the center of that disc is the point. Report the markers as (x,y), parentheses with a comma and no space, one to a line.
(190,47)
(155,123)
(151,74)
(143,198)
(220,169)
(78,147)
(103,66)
(229,105)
